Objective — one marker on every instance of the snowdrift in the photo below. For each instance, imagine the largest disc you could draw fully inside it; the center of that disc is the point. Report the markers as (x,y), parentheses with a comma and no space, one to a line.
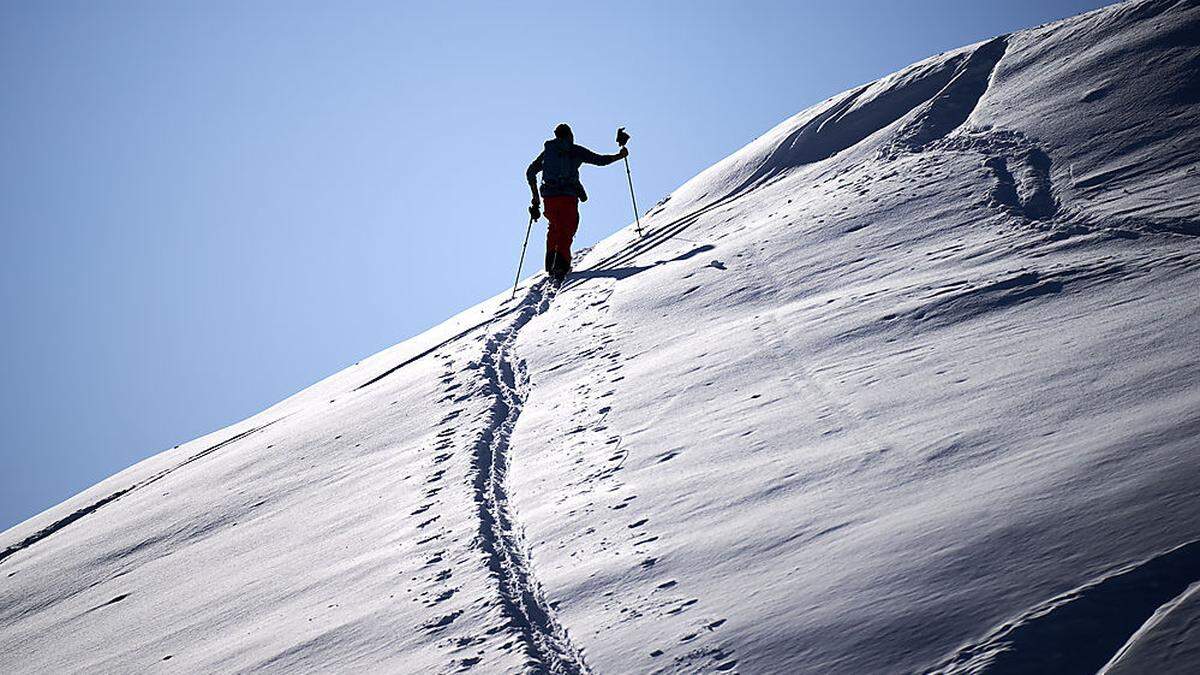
(908,384)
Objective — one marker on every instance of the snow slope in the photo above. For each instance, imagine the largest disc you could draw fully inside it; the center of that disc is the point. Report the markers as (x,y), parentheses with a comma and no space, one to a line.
(908,384)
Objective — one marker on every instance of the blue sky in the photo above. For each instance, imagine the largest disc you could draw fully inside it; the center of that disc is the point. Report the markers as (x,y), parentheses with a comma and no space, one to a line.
(206,207)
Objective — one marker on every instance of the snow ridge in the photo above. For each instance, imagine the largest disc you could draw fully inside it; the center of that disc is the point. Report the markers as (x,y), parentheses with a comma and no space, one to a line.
(1079,631)
(522,598)
(950,108)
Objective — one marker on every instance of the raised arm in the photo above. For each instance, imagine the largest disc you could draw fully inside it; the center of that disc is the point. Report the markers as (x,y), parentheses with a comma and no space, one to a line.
(587,156)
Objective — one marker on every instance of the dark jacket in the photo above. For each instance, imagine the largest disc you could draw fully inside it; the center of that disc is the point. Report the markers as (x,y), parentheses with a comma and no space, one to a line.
(559,165)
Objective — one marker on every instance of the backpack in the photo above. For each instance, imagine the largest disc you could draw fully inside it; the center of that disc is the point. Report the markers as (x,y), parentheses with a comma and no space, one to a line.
(560,173)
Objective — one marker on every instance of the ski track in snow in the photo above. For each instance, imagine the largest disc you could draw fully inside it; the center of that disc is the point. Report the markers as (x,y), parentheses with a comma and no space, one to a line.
(522,597)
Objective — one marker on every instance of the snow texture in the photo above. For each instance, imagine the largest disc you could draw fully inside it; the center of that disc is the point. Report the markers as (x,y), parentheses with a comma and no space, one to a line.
(908,384)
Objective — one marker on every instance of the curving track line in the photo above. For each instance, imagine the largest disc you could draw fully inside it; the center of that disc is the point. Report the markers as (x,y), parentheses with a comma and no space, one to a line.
(547,644)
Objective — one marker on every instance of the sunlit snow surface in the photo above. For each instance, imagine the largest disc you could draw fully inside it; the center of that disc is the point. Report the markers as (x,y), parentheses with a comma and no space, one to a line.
(910,383)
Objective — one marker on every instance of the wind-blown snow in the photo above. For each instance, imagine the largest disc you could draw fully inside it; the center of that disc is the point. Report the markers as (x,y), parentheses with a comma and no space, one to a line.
(908,384)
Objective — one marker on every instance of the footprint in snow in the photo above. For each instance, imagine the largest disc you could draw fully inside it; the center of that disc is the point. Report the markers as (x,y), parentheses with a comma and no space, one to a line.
(682,607)
(668,456)
(438,624)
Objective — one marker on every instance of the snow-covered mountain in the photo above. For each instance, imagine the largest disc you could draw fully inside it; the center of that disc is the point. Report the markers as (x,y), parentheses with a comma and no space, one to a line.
(910,383)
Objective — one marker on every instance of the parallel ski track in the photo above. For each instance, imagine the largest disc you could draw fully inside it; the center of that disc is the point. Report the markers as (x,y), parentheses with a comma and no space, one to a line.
(95,506)
(548,645)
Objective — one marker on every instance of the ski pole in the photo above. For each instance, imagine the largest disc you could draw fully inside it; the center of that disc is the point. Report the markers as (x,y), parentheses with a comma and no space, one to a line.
(636,217)
(521,263)
(622,139)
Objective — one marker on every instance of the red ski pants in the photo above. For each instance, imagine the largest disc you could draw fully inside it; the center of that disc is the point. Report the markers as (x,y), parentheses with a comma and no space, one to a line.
(563,214)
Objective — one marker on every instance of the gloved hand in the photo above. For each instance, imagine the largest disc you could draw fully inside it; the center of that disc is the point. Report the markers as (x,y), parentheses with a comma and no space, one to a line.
(535,209)
(623,152)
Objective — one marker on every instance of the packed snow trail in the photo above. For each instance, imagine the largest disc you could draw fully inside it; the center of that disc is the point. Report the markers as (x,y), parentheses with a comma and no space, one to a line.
(524,602)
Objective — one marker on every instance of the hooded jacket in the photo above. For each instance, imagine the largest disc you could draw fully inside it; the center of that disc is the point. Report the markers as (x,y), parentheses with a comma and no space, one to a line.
(559,164)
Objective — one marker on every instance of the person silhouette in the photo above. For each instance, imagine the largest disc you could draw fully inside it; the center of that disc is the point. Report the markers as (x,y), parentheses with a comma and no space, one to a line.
(562,191)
